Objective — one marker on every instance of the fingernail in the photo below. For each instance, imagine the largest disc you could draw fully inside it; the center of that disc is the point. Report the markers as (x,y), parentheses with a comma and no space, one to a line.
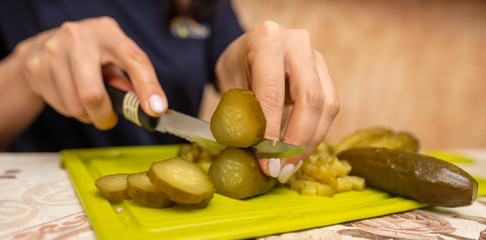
(157,104)
(286,173)
(274,167)
(299,164)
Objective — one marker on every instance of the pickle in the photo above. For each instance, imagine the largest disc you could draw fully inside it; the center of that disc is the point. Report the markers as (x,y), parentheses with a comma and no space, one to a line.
(238,120)
(141,189)
(401,140)
(379,137)
(412,175)
(182,181)
(236,174)
(113,187)
(361,136)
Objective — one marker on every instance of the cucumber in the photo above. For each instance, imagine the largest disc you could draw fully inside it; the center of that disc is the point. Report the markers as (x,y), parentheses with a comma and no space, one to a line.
(236,174)
(113,186)
(412,175)
(142,190)
(238,120)
(182,181)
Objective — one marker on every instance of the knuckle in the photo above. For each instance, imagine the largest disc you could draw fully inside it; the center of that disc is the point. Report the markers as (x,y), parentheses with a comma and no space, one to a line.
(107,21)
(332,106)
(33,65)
(70,29)
(313,97)
(267,30)
(137,55)
(92,96)
(50,46)
(270,97)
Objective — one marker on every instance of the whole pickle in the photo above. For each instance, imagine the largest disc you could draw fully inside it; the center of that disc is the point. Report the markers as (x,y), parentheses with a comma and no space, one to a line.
(236,174)
(412,175)
(401,140)
(360,137)
(238,120)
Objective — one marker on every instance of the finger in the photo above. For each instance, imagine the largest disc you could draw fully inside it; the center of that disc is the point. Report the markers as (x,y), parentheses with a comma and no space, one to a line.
(307,95)
(40,80)
(134,61)
(331,102)
(115,77)
(268,84)
(63,83)
(86,71)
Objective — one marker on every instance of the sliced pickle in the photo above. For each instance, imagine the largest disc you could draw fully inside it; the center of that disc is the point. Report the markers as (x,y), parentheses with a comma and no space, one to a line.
(141,189)
(236,174)
(182,181)
(113,187)
(238,120)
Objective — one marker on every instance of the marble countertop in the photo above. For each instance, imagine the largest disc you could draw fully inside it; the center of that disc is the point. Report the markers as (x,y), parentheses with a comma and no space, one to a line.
(37,201)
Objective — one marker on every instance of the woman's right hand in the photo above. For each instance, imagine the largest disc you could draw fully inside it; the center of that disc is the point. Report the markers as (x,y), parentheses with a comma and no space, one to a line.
(68,66)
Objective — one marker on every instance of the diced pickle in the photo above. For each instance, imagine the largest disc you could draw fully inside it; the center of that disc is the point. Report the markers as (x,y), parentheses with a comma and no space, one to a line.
(236,174)
(238,120)
(182,181)
(113,187)
(141,189)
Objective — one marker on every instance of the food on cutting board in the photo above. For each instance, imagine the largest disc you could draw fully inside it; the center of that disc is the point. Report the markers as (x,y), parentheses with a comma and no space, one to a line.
(323,174)
(141,189)
(413,175)
(238,120)
(113,187)
(236,174)
(201,155)
(378,137)
(182,181)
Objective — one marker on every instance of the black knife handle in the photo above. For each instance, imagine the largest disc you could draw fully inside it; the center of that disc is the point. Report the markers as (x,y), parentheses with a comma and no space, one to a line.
(127,103)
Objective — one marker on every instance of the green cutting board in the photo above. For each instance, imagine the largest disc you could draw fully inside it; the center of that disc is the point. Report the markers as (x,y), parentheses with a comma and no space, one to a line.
(280,210)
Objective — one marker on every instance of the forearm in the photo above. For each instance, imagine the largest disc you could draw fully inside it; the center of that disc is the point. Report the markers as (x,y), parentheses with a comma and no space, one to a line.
(19,106)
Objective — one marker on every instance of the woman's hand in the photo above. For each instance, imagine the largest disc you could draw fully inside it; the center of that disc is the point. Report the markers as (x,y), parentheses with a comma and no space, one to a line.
(262,60)
(68,66)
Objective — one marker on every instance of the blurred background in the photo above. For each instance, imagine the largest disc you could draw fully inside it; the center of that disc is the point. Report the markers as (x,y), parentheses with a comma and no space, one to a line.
(410,65)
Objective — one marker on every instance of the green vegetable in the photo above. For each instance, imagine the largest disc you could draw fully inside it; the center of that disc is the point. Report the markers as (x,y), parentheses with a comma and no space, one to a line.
(238,120)
(236,174)
(412,175)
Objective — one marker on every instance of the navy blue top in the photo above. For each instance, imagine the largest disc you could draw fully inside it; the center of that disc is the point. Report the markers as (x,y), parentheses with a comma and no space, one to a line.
(183,66)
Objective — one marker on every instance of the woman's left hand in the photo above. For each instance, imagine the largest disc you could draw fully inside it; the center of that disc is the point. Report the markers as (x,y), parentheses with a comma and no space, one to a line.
(263,60)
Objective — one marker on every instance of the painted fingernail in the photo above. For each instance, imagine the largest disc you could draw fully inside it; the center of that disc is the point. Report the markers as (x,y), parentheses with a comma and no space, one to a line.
(286,173)
(157,104)
(274,167)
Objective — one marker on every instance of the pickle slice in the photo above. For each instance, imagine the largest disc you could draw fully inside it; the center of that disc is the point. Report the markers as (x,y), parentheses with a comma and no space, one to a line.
(236,174)
(413,175)
(182,181)
(238,120)
(141,189)
(113,187)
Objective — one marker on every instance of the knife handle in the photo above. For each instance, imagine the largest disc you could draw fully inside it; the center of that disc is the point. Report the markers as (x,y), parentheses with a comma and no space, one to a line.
(127,103)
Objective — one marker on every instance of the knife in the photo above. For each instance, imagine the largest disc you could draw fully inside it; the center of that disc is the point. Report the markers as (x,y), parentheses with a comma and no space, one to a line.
(188,127)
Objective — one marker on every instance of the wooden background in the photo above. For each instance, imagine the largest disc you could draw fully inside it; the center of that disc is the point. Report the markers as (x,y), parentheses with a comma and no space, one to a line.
(413,65)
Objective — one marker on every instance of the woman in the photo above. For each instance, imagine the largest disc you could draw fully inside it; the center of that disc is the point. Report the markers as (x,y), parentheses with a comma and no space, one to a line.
(57,56)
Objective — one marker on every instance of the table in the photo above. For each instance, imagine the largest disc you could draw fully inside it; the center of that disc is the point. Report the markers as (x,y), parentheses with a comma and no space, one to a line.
(37,201)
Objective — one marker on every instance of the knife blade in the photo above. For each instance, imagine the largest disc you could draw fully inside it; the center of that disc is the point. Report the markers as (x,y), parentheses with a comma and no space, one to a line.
(188,127)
